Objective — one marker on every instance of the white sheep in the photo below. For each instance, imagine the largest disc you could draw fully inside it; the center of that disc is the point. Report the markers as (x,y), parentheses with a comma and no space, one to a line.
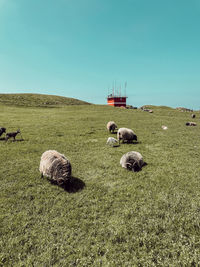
(126,134)
(111,126)
(111,141)
(55,166)
(164,127)
(132,161)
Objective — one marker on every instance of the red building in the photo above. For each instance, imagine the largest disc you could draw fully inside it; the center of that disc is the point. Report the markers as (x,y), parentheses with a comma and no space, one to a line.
(116,101)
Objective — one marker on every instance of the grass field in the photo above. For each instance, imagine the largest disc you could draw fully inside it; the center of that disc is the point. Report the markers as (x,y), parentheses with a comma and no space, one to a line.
(110,216)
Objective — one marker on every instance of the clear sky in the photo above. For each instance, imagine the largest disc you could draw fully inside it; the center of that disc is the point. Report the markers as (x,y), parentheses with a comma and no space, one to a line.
(77,48)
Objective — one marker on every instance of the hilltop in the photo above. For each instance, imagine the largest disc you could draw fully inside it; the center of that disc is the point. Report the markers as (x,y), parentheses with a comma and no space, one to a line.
(39,100)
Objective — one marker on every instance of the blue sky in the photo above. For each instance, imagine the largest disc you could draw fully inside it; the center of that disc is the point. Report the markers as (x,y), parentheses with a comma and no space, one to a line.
(77,48)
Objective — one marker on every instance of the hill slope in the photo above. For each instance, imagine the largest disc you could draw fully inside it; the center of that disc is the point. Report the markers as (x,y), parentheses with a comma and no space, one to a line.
(38,100)
(119,218)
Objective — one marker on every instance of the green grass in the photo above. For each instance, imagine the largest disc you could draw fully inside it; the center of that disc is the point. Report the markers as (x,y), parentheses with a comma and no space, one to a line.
(120,218)
(38,100)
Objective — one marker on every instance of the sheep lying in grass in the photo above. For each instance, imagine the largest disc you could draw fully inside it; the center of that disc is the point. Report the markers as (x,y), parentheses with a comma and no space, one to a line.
(55,166)
(132,161)
(126,134)
(111,141)
(193,116)
(191,123)
(2,130)
(111,126)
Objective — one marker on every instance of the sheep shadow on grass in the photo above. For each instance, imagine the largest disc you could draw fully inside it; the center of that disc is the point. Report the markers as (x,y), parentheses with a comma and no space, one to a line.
(131,142)
(72,185)
(13,140)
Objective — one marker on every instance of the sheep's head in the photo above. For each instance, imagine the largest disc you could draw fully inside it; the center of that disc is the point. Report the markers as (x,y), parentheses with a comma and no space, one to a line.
(135,137)
(133,166)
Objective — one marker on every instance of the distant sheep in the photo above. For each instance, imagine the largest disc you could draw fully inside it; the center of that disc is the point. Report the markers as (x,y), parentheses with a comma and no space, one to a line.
(191,123)
(147,110)
(126,134)
(2,130)
(111,126)
(193,116)
(132,161)
(111,141)
(55,166)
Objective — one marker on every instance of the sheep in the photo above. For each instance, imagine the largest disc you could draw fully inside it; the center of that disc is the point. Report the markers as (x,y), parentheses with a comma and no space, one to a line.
(191,123)
(2,130)
(193,116)
(55,166)
(13,134)
(132,161)
(111,141)
(126,134)
(111,126)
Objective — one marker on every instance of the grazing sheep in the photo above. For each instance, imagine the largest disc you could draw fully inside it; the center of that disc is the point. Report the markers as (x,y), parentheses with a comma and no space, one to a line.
(55,166)
(191,123)
(111,141)
(111,126)
(13,134)
(126,134)
(132,161)
(193,116)
(2,130)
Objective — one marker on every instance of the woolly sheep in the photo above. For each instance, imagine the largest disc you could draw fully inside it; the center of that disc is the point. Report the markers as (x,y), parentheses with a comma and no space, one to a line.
(193,116)
(111,126)
(111,141)
(55,166)
(132,161)
(191,123)
(126,134)
(2,130)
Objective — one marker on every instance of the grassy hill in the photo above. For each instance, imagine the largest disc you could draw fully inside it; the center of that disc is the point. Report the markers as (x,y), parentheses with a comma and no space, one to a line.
(38,100)
(119,218)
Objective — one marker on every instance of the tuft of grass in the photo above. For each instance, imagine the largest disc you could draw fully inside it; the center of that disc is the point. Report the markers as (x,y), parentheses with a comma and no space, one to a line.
(38,100)
(119,218)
